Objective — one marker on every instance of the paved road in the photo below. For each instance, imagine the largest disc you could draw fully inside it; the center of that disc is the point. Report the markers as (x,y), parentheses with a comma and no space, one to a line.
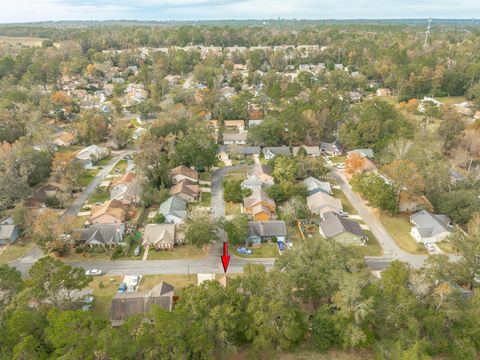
(88,191)
(390,248)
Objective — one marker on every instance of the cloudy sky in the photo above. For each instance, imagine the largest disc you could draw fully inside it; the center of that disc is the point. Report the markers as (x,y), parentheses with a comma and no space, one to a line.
(39,10)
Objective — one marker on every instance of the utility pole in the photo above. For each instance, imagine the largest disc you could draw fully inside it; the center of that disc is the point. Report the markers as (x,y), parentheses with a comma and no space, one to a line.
(427,33)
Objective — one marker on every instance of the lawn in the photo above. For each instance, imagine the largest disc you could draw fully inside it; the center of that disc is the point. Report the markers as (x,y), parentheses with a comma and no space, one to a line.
(446,247)
(14,251)
(103,291)
(100,255)
(100,195)
(178,281)
(347,206)
(338,159)
(232,208)
(206,199)
(87,177)
(238,174)
(205,176)
(267,250)
(180,252)
(373,248)
(399,229)
(120,167)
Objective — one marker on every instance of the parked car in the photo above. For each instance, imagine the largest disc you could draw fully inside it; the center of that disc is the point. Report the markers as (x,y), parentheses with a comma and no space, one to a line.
(94,272)
(244,250)
(122,287)
(281,245)
(137,251)
(340,166)
(343,213)
(430,247)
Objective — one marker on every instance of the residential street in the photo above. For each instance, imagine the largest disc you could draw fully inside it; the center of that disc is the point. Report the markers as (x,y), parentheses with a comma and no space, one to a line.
(88,191)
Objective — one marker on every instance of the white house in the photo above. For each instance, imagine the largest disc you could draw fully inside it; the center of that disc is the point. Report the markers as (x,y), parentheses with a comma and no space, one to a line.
(428,228)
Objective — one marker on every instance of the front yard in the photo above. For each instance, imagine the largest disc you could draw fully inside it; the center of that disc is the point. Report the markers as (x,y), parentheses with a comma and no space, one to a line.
(14,251)
(347,206)
(266,250)
(104,289)
(180,252)
(232,208)
(399,229)
(87,177)
(373,247)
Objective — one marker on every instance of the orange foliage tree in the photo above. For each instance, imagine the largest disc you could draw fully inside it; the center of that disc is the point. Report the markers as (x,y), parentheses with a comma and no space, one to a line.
(354,164)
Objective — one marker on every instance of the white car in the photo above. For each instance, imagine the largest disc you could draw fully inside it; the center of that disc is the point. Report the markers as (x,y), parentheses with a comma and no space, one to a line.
(340,166)
(430,247)
(94,272)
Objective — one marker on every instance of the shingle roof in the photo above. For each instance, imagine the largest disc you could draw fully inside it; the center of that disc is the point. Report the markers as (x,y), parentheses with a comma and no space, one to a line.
(159,233)
(235,136)
(278,150)
(258,170)
(174,206)
(258,197)
(6,231)
(267,228)
(106,234)
(186,187)
(185,171)
(429,224)
(314,185)
(335,225)
(311,150)
(320,199)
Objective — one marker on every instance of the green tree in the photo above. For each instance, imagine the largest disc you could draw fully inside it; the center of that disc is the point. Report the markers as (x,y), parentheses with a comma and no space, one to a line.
(91,127)
(200,230)
(285,169)
(232,191)
(10,284)
(236,229)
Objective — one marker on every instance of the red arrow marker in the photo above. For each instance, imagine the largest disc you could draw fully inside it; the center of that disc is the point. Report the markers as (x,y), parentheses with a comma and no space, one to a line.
(225,257)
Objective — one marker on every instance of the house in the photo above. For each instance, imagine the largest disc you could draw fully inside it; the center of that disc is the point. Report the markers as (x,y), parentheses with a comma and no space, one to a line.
(186,190)
(65,139)
(331,149)
(91,154)
(427,227)
(8,232)
(320,203)
(111,212)
(174,209)
(314,185)
(125,189)
(235,124)
(182,172)
(128,304)
(159,236)
(312,151)
(104,235)
(259,231)
(254,184)
(260,206)
(261,172)
(252,150)
(364,153)
(235,138)
(425,101)
(271,152)
(342,230)
(255,117)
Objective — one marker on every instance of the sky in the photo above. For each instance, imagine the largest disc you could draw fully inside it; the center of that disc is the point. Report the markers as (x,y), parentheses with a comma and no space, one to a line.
(43,10)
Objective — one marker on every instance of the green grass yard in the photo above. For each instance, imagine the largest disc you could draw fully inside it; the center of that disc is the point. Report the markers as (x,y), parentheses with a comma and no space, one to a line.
(180,252)
(347,206)
(266,250)
(232,208)
(16,250)
(399,229)
(87,177)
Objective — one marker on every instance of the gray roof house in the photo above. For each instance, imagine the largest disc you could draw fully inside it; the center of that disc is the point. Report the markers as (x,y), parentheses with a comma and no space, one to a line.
(427,227)
(331,149)
(174,209)
(342,230)
(127,304)
(8,232)
(235,138)
(312,151)
(320,203)
(251,150)
(159,236)
(107,235)
(254,184)
(364,153)
(263,230)
(271,152)
(314,185)
(91,153)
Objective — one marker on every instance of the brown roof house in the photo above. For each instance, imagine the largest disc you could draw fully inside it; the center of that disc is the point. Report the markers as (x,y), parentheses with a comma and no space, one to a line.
(125,189)
(183,172)
(261,172)
(159,236)
(111,212)
(127,304)
(65,139)
(186,190)
(260,206)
